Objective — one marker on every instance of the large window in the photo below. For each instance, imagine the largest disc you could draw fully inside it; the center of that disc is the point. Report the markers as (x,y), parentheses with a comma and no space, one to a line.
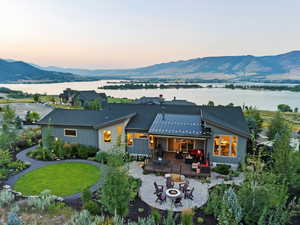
(180,145)
(71,132)
(107,136)
(129,139)
(225,146)
(131,136)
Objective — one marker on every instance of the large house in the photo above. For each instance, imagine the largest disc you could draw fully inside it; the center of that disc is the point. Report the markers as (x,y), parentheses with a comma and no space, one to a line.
(82,98)
(173,137)
(161,100)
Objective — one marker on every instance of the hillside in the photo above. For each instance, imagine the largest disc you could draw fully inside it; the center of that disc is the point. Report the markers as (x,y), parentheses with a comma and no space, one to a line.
(248,67)
(17,71)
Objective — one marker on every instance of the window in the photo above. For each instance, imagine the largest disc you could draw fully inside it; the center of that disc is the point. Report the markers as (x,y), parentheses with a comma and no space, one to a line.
(107,136)
(151,141)
(129,139)
(131,136)
(225,146)
(139,135)
(71,132)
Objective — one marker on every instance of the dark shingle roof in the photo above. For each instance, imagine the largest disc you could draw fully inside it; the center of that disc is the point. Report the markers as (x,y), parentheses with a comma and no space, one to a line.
(90,95)
(226,117)
(85,118)
(176,124)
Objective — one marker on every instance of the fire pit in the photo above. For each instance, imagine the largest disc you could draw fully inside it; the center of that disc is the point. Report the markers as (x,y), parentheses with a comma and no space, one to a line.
(173,193)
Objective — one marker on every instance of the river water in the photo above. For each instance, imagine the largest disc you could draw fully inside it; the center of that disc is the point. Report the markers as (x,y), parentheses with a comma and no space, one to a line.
(267,100)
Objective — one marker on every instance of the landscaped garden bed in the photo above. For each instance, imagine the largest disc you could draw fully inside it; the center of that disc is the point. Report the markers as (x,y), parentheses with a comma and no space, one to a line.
(59,150)
(62,179)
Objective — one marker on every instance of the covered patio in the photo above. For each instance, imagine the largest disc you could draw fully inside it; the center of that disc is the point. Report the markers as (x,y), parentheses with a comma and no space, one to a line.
(170,164)
(178,144)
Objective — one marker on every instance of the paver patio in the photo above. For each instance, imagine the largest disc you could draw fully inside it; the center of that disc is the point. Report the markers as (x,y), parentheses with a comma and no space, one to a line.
(200,193)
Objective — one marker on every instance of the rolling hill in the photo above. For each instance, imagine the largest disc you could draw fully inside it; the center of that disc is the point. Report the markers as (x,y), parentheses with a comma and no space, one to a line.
(247,67)
(18,71)
(236,68)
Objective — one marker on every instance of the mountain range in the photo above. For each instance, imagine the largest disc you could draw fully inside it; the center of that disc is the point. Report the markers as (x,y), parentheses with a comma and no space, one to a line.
(18,71)
(247,67)
(236,68)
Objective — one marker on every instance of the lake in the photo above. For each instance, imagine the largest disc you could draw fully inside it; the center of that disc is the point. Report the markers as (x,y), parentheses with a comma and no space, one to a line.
(267,100)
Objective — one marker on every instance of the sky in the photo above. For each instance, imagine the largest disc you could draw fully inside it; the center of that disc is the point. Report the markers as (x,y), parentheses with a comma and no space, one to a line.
(133,33)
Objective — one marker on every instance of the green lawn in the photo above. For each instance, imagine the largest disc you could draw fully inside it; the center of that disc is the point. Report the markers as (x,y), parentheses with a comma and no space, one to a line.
(62,179)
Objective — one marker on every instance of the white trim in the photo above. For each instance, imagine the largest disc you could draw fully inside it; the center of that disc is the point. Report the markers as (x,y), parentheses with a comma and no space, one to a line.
(230,145)
(70,135)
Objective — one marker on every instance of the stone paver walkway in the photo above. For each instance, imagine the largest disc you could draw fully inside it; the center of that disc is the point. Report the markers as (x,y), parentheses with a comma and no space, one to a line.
(35,164)
(200,193)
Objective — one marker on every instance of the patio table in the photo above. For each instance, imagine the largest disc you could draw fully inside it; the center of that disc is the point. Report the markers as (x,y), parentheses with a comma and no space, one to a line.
(173,193)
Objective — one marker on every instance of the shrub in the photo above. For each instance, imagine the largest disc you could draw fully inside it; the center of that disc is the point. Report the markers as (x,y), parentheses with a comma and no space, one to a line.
(5,158)
(156,216)
(13,219)
(222,169)
(18,166)
(169,220)
(85,218)
(134,184)
(93,207)
(213,205)
(86,195)
(3,173)
(43,202)
(6,197)
(92,151)
(231,211)
(200,220)
(187,217)
(102,157)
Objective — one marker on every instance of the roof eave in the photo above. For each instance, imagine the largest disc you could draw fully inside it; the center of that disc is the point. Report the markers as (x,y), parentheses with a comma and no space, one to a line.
(246,134)
(129,116)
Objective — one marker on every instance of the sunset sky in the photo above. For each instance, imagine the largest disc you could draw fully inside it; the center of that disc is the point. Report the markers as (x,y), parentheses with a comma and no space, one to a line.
(133,33)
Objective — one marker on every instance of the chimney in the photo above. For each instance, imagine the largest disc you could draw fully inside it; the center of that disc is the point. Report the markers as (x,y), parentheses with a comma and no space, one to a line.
(161,99)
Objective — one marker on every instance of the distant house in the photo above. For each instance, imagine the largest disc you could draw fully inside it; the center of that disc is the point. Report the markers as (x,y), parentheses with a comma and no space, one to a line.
(175,138)
(160,100)
(82,98)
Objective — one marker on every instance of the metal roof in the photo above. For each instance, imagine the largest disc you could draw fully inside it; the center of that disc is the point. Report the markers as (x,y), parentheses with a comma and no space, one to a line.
(176,124)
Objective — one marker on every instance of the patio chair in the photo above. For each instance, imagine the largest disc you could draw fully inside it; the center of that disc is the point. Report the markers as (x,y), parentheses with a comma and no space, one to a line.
(178,202)
(161,197)
(158,188)
(184,186)
(189,194)
(169,183)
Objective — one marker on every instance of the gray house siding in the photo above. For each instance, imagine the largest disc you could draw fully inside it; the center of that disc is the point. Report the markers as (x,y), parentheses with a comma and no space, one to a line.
(85,136)
(241,147)
(140,146)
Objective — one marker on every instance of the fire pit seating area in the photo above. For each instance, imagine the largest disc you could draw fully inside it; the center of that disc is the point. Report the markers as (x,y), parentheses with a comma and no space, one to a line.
(174,190)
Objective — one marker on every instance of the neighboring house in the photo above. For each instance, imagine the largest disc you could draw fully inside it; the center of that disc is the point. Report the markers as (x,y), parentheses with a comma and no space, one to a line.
(181,134)
(161,100)
(82,98)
